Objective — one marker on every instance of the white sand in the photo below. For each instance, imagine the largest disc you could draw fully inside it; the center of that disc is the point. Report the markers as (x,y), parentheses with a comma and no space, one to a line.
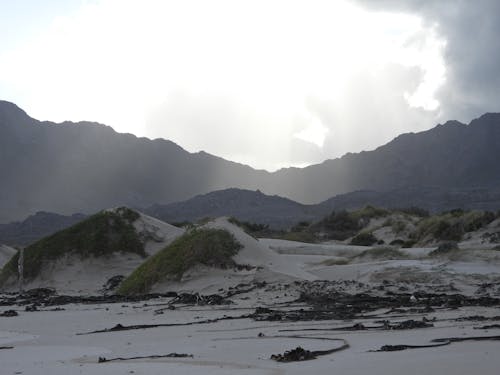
(45,342)
(6,252)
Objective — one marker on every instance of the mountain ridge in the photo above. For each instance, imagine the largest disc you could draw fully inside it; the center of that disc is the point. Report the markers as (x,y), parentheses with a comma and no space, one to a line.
(83,167)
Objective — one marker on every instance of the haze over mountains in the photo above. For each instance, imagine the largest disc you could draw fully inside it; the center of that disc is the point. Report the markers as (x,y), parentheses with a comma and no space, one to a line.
(84,167)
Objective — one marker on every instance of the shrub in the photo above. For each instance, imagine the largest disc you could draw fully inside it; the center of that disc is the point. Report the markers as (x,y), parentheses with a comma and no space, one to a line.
(442,228)
(250,228)
(397,242)
(382,253)
(445,248)
(364,239)
(414,211)
(408,244)
(338,225)
(99,235)
(398,226)
(369,212)
(477,219)
(211,247)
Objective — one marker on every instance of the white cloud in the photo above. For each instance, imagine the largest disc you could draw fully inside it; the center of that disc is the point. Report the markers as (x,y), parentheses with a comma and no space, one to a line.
(315,133)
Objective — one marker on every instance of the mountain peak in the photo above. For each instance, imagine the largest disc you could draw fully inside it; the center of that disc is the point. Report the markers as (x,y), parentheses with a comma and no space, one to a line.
(11,113)
(489,118)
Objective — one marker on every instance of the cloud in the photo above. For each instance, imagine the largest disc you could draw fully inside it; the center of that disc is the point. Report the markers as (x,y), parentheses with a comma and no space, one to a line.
(268,83)
(471,30)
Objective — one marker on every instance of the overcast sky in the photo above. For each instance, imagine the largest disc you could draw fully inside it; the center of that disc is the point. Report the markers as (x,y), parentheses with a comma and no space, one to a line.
(266,83)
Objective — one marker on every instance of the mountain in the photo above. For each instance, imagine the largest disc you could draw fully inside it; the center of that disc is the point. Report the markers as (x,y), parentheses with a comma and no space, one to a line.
(39,225)
(83,167)
(246,205)
(432,199)
(448,156)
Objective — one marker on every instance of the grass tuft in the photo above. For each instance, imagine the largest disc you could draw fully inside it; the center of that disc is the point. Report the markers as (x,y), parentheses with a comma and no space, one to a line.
(211,247)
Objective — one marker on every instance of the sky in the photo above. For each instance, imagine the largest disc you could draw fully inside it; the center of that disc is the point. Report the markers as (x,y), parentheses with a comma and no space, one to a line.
(270,84)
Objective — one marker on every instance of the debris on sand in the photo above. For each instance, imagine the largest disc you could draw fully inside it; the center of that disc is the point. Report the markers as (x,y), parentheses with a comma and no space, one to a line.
(170,355)
(9,313)
(395,348)
(441,342)
(301,354)
(408,324)
(386,325)
(112,283)
(294,355)
(120,327)
(198,299)
(492,326)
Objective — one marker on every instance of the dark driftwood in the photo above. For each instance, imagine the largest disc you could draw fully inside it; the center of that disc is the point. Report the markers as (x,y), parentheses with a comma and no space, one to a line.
(120,327)
(300,354)
(441,342)
(170,355)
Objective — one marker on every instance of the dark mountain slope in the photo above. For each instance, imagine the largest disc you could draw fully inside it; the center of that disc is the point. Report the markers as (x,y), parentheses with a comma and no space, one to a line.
(447,156)
(84,167)
(42,224)
(246,205)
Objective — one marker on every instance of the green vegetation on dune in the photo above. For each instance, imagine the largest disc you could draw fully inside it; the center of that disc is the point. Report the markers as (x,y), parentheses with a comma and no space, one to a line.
(211,247)
(385,253)
(253,229)
(364,239)
(452,225)
(102,234)
(369,212)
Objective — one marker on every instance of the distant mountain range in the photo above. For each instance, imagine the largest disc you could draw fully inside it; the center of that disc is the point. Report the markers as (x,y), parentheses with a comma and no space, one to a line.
(42,224)
(84,167)
(245,205)
(275,211)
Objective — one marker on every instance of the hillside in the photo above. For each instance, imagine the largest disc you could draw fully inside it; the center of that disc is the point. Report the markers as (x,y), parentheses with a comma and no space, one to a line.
(84,167)
(449,156)
(87,254)
(432,199)
(245,205)
(217,254)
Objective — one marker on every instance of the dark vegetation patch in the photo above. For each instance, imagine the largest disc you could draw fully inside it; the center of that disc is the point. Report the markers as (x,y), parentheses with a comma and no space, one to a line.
(452,225)
(253,229)
(337,226)
(445,248)
(386,253)
(210,247)
(340,225)
(364,239)
(102,234)
(398,242)
(112,283)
